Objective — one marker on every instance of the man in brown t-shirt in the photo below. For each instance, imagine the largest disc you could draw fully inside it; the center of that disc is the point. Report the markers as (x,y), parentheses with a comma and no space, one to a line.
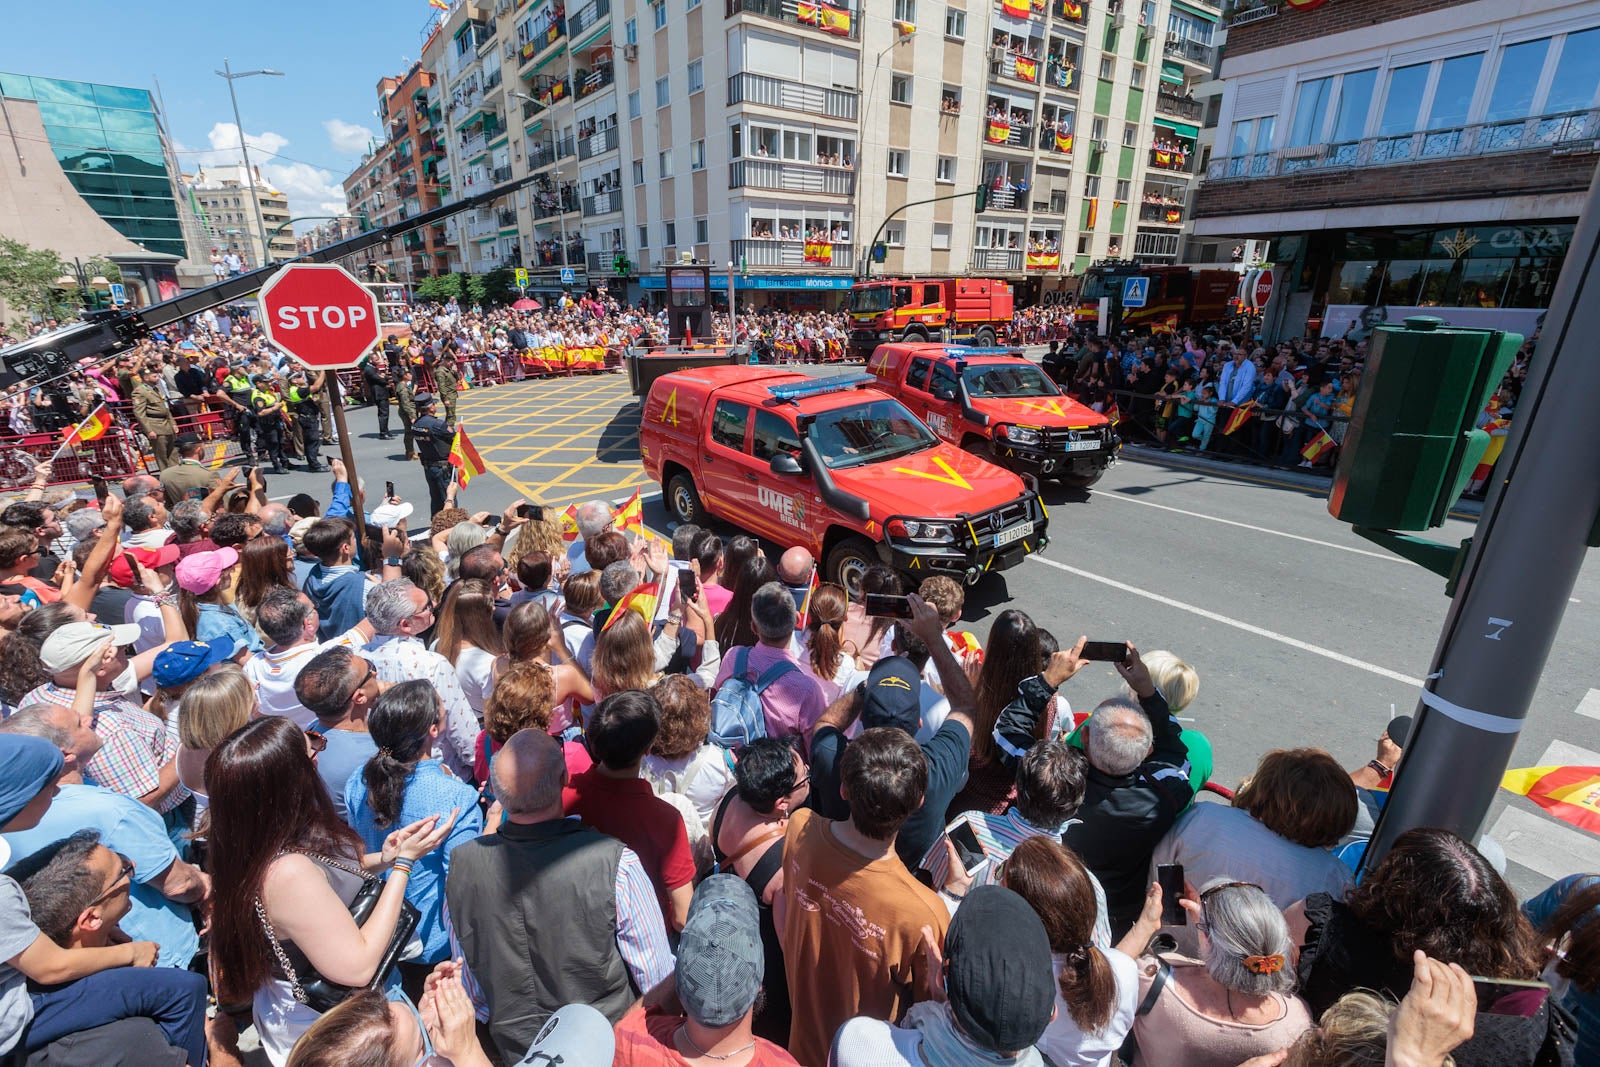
(852,915)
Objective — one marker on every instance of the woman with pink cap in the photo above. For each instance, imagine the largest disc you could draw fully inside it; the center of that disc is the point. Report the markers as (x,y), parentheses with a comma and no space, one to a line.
(205,582)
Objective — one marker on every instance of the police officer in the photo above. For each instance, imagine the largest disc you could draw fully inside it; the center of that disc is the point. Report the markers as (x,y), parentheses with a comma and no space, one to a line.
(269,416)
(406,396)
(235,391)
(375,373)
(301,399)
(433,438)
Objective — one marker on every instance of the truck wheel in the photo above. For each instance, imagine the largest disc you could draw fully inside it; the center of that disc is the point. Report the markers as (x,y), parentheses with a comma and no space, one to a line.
(683,501)
(914,334)
(848,560)
(985,338)
(1081,481)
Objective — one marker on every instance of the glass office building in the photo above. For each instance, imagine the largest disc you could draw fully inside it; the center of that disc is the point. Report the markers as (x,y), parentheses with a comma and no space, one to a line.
(107,140)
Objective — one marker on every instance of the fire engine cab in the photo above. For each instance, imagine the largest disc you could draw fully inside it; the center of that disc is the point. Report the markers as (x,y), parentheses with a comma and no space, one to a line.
(843,470)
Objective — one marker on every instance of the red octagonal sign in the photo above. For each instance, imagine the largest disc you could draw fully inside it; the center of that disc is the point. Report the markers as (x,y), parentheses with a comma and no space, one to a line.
(1263,288)
(320,315)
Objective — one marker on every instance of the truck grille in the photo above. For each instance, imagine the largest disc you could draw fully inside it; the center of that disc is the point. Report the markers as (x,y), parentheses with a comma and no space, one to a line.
(989,523)
(1057,439)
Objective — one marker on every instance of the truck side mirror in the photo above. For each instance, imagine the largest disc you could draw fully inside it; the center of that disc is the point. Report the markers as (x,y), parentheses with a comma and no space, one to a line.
(784,463)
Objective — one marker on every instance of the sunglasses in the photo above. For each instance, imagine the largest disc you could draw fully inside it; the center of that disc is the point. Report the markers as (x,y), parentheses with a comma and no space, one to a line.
(317,742)
(126,873)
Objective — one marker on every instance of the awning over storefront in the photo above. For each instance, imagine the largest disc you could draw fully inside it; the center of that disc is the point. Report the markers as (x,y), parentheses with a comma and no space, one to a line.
(761,281)
(1182,129)
(1198,12)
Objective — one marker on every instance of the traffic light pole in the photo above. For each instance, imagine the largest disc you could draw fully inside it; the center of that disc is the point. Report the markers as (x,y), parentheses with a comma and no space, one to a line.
(1538,522)
(890,217)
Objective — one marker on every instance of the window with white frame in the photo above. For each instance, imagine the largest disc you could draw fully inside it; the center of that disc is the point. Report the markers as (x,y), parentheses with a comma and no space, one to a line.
(945,169)
(1108,68)
(633,104)
(941,237)
(644,237)
(663,91)
(1123,187)
(955,23)
(797,146)
(1091,185)
(630,31)
(697,77)
(894,235)
(1136,77)
(660,10)
(669,233)
(1097,129)
(664,164)
(735,142)
(900,88)
(1130,134)
(905,11)
(691,5)
(697,155)
(638,172)
(897,163)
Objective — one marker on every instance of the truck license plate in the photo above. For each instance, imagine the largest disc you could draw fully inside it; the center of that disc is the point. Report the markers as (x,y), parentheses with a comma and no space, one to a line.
(1083,446)
(1015,533)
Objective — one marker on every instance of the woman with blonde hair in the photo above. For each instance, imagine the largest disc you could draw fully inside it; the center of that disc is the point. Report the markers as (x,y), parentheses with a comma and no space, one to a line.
(467,636)
(1179,684)
(531,637)
(624,657)
(425,570)
(213,706)
(822,654)
(536,535)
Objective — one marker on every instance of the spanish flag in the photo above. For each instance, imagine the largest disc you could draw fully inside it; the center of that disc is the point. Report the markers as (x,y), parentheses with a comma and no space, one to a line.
(93,427)
(1174,214)
(999,131)
(1063,141)
(834,21)
(1071,9)
(1113,413)
(1163,157)
(905,28)
(465,459)
(1027,69)
(1017,9)
(1571,794)
(1239,416)
(811,591)
(1319,446)
(568,522)
(811,13)
(964,645)
(819,252)
(630,516)
(643,599)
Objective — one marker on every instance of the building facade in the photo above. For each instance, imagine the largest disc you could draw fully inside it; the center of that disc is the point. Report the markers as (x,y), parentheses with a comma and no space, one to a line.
(781,137)
(1406,156)
(223,201)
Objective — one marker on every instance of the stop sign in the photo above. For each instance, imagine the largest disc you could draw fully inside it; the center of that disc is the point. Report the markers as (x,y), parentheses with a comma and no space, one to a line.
(1262,291)
(320,315)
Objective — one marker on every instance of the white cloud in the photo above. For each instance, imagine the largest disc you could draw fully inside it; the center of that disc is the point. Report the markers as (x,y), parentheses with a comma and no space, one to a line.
(347,138)
(311,190)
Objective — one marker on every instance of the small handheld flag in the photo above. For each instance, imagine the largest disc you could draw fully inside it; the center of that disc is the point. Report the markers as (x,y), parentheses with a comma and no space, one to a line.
(94,426)
(642,599)
(464,458)
(1568,793)
(1239,416)
(569,523)
(1318,447)
(630,516)
(1113,413)
(811,591)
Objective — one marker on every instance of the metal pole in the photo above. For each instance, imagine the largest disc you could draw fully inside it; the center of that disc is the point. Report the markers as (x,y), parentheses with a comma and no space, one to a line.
(1523,562)
(250,175)
(733,310)
(345,452)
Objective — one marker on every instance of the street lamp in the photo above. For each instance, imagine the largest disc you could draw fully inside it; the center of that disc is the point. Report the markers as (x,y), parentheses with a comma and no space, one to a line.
(861,149)
(78,280)
(230,75)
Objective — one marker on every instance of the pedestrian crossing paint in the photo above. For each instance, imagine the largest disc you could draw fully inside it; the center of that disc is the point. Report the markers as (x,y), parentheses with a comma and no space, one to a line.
(1541,842)
(1590,704)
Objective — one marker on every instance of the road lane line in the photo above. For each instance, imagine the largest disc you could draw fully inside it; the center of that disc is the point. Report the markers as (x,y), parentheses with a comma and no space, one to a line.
(1113,495)
(1271,635)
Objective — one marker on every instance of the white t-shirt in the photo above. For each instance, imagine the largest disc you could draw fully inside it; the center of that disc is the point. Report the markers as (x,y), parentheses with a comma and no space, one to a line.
(475,669)
(703,777)
(273,674)
(1065,1042)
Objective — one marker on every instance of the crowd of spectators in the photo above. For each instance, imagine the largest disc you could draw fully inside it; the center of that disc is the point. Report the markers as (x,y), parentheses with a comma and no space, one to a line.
(278,777)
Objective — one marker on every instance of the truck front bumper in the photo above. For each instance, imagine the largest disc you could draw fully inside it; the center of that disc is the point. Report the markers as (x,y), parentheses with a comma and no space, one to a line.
(1061,453)
(994,540)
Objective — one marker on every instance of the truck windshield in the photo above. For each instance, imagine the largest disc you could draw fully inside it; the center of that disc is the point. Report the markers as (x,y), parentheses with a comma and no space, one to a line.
(874,298)
(1008,380)
(868,433)
(1094,287)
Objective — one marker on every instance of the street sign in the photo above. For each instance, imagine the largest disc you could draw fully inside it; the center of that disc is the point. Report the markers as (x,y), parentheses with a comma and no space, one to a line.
(522,277)
(568,276)
(320,315)
(1262,292)
(1135,291)
(119,295)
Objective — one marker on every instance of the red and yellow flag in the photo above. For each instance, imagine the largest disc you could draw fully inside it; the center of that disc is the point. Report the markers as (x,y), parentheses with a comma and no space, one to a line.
(94,425)
(964,644)
(811,13)
(568,523)
(1113,413)
(904,28)
(819,252)
(1071,9)
(1027,69)
(465,459)
(1319,446)
(1239,416)
(630,516)
(811,589)
(1043,260)
(1163,157)
(643,599)
(1063,142)
(999,131)
(835,21)
(1017,9)
(1571,794)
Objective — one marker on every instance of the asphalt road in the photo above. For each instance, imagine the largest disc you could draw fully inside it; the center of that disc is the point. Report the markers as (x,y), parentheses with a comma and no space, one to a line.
(1302,632)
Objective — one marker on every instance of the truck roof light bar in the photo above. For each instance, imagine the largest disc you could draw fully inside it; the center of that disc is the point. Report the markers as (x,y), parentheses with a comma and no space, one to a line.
(957,351)
(837,383)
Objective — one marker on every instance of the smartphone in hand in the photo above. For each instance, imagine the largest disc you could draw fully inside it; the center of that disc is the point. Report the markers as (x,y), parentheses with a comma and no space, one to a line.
(968,848)
(1170,877)
(885,605)
(1105,651)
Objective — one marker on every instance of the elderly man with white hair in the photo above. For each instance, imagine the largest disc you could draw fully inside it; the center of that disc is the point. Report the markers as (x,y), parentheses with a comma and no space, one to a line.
(594,518)
(1138,780)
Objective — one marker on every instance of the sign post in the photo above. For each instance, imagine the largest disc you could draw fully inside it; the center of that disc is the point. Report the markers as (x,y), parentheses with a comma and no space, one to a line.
(522,280)
(327,321)
(1135,291)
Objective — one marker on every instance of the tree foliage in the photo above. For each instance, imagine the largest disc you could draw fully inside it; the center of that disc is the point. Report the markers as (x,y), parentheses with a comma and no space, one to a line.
(28,276)
(500,285)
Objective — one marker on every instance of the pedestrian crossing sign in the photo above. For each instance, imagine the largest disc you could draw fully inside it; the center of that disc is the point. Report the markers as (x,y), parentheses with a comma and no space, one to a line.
(1135,291)
(568,276)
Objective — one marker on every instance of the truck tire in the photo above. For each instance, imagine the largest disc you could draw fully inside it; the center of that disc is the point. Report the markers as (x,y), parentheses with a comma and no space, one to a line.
(914,334)
(682,499)
(847,561)
(984,338)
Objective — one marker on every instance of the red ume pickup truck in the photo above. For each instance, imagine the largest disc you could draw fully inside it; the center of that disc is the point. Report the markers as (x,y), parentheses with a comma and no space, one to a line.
(835,466)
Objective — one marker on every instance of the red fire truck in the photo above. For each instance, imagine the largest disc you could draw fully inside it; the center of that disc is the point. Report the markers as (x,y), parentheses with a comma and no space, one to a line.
(972,310)
(1176,296)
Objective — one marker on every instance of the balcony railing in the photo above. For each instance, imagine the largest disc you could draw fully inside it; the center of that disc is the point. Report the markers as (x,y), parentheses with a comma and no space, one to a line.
(587,16)
(506,217)
(501,174)
(602,203)
(1166,214)
(597,142)
(767,91)
(1183,107)
(474,145)
(1004,259)
(548,205)
(795,177)
(1051,142)
(834,21)
(764,252)
(1542,132)
(1005,132)
(1007,199)
(542,40)
(1063,76)
(1248,11)
(552,254)
(493,80)
(1021,68)
(482,225)
(597,79)
(1178,162)
(1190,51)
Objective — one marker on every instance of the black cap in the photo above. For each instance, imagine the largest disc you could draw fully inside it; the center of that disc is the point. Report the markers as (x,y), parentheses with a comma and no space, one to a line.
(422,398)
(999,977)
(186,440)
(893,696)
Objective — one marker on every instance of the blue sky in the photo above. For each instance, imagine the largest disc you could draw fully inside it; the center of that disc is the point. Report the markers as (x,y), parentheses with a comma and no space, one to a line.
(314,122)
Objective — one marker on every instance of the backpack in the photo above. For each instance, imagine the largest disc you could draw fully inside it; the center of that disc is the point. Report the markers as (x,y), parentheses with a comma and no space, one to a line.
(736,715)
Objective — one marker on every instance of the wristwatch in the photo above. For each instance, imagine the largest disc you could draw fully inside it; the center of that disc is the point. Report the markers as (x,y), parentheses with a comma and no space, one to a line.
(391,561)
(1380,768)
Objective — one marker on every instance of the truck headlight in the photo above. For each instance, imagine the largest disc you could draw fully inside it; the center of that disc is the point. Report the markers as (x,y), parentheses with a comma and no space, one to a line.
(1021,435)
(927,531)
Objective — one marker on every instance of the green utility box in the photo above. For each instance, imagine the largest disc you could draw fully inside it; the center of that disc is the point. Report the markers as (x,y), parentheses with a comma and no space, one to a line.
(1412,443)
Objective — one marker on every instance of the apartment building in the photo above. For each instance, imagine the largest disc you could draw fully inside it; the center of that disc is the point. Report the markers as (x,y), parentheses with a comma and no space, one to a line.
(1406,156)
(223,200)
(782,137)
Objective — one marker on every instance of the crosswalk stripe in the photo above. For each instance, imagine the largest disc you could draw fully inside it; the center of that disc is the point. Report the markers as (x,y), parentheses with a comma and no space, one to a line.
(1590,704)
(1542,844)
(1563,754)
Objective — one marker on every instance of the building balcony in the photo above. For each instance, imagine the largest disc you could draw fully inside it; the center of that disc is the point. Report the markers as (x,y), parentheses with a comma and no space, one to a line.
(1175,162)
(1164,214)
(1017,68)
(506,217)
(1541,133)
(1248,11)
(501,174)
(597,142)
(547,97)
(541,42)
(1072,12)
(1007,200)
(1182,107)
(1062,76)
(1005,132)
(996,259)
(1055,141)
(473,145)
(588,16)
(820,16)
(546,205)
(551,254)
(1184,50)
(602,203)
(793,177)
(767,91)
(795,255)
(596,79)
(600,262)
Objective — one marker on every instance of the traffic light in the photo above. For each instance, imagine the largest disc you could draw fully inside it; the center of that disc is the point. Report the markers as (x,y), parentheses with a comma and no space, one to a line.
(980,199)
(1412,443)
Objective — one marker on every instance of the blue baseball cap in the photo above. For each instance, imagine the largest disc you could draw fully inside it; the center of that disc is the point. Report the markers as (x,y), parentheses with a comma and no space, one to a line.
(184,661)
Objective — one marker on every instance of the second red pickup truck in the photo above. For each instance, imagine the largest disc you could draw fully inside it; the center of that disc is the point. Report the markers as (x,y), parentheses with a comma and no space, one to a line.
(1003,407)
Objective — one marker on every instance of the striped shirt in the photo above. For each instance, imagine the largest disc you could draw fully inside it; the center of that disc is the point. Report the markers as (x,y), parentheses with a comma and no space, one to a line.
(641,934)
(135,744)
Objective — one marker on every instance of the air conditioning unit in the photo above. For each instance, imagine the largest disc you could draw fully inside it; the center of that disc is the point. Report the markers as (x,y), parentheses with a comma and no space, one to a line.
(997,54)
(1173,38)
(1146,31)
(1119,20)
(502,8)
(1101,145)
(630,52)
(510,50)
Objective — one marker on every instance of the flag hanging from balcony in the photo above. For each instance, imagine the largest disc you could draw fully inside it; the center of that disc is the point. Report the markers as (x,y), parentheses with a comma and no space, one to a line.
(1163,157)
(1093,214)
(825,17)
(1305,5)
(1027,69)
(1044,260)
(811,13)
(1017,9)
(1063,141)
(1071,9)
(819,252)
(905,28)
(1174,214)
(999,131)
(442,5)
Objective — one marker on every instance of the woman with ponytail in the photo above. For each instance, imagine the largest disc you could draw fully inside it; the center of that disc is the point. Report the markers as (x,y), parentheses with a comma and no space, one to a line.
(822,646)
(402,783)
(1097,987)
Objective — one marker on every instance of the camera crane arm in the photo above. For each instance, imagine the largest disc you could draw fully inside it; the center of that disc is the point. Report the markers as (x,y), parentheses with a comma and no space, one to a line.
(101,335)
